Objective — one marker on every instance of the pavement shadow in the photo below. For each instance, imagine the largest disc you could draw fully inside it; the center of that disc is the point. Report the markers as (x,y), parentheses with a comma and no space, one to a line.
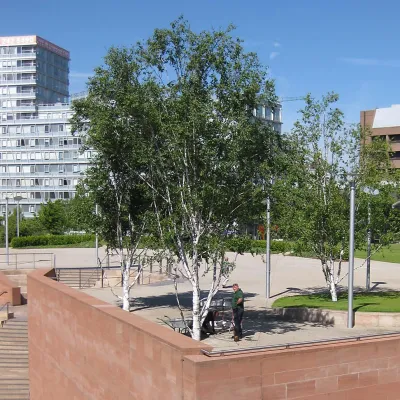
(260,321)
(169,300)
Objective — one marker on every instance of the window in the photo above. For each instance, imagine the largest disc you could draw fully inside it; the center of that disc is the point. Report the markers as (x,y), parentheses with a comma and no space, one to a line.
(18,169)
(33,169)
(4,143)
(18,182)
(89,154)
(32,209)
(47,155)
(75,168)
(46,182)
(61,168)
(61,128)
(32,182)
(32,156)
(3,169)
(61,155)
(47,169)
(61,142)
(32,142)
(46,142)
(46,129)
(74,155)
(32,129)
(60,182)
(3,130)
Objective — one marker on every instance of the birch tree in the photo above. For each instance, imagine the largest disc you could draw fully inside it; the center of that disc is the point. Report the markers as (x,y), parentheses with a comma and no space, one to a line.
(110,119)
(312,197)
(209,149)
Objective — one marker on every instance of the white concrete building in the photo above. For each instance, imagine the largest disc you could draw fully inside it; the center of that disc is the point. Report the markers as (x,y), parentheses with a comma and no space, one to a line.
(39,156)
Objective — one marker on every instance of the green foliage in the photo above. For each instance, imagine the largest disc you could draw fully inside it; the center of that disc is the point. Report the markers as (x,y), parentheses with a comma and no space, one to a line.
(363,302)
(49,240)
(53,217)
(311,198)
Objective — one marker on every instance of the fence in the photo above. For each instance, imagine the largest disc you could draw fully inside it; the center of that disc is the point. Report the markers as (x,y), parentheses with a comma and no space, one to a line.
(27,260)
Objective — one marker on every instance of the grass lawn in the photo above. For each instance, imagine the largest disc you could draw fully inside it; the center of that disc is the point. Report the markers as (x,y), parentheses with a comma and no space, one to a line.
(374,301)
(391,254)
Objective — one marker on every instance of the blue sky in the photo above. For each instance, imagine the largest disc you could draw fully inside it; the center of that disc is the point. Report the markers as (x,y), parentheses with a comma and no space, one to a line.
(350,47)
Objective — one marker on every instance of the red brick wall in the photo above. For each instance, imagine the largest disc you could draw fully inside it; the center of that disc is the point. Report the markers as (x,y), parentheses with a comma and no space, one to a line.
(13,294)
(83,348)
(348,371)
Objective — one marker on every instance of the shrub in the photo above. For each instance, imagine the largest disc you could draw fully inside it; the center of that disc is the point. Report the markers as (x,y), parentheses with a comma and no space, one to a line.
(49,240)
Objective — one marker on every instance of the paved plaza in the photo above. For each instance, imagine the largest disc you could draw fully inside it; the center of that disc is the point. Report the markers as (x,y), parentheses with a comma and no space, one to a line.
(289,275)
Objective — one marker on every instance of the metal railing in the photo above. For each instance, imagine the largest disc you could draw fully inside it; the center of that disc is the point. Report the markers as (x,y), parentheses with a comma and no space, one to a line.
(218,353)
(27,260)
(7,306)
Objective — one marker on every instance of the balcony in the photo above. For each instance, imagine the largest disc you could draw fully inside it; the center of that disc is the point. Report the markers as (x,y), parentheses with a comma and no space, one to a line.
(27,95)
(28,56)
(19,82)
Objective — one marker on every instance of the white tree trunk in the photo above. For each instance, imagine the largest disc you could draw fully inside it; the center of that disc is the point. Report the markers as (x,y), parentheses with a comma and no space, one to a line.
(196,330)
(125,287)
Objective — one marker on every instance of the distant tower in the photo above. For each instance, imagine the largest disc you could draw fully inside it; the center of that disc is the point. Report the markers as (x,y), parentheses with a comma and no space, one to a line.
(39,157)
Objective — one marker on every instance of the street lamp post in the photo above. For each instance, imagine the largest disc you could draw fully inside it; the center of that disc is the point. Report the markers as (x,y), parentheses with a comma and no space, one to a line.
(268,250)
(370,192)
(7,247)
(350,315)
(18,199)
(97,240)
(267,203)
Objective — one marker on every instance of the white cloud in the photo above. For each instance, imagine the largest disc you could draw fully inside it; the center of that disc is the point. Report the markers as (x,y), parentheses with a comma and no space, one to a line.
(80,75)
(277,44)
(273,55)
(374,62)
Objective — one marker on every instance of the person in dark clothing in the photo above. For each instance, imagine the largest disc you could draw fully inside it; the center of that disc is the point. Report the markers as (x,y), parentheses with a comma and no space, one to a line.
(238,310)
(209,322)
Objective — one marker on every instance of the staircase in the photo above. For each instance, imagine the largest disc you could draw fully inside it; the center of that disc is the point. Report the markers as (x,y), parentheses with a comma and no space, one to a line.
(14,381)
(78,277)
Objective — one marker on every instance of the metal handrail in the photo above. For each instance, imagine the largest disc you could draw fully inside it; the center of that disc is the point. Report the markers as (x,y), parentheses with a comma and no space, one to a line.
(4,305)
(286,346)
(5,291)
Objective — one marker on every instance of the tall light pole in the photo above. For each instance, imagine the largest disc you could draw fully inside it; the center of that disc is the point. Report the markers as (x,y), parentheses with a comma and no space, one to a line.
(368,278)
(97,240)
(18,199)
(268,250)
(369,192)
(267,203)
(350,315)
(7,248)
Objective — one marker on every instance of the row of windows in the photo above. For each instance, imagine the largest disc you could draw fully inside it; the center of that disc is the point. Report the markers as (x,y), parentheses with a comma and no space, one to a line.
(31,208)
(18,63)
(47,155)
(24,129)
(29,116)
(46,142)
(39,195)
(17,77)
(39,182)
(32,169)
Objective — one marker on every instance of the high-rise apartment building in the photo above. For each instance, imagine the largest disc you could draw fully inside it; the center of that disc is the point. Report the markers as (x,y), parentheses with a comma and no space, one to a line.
(384,124)
(39,156)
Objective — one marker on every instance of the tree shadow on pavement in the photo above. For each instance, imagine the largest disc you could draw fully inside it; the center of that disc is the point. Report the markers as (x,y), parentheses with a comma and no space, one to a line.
(169,300)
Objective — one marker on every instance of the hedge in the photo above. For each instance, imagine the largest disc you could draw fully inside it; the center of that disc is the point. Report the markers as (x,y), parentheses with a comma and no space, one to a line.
(49,240)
